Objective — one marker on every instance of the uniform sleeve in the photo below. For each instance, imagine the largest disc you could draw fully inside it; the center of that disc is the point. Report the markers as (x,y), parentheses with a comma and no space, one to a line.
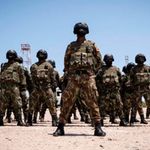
(22,78)
(67,58)
(52,77)
(98,58)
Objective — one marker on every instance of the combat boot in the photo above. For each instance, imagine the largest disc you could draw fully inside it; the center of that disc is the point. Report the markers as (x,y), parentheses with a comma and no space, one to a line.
(102,122)
(136,120)
(1,121)
(132,119)
(35,119)
(82,118)
(98,130)
(147,113)
(60,130)
(127,118)
(123,123)
(19,119)
(54,120)
(143,121)
(29,122)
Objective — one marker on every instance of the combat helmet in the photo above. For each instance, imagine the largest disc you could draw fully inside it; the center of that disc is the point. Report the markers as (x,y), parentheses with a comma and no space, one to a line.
(11,54)
(42,54)
(130,66)
(19,59)
(81,28)
(52,62)
(140,58)
(108,57)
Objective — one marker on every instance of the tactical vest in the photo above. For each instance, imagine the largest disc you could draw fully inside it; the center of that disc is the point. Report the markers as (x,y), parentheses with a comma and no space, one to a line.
(142,78)
(82,56)
(110,78)
(10,74)
(41,73)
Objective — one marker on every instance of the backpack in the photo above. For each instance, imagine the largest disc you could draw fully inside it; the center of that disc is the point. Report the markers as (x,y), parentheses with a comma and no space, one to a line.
(10,73)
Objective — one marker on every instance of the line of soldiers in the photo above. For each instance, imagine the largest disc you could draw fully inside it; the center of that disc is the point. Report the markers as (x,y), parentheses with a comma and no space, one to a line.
(122,94)
(21,90)
(91,84)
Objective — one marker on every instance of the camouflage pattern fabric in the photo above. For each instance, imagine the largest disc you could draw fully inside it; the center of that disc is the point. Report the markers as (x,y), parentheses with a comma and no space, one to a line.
(12,82)
(81,62)
(43,79)
(108,83)
(140,78)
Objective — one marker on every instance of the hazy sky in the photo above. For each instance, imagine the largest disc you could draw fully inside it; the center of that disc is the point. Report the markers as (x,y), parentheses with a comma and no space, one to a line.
(119,27)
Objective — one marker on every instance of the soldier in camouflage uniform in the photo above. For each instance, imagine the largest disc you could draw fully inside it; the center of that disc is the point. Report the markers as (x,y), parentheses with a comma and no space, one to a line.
(81,61)
(140,77)
(57,78)
(13,83)
(42,74)
(108,82)
(29,87)
(127,91)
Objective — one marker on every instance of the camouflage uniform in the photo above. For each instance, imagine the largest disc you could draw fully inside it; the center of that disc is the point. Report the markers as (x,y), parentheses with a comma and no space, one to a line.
(57,79)
(25,95)
(80,77)
(127,95)
(108,81)
(43,79)
(82,59)
(140,76)
(12,81)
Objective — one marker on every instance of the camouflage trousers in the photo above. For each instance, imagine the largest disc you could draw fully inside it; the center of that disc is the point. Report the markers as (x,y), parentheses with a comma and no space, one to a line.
(147,99)
(138,94)
(128,102)
(86,85)
(41,96)
(110,103)
(10,97)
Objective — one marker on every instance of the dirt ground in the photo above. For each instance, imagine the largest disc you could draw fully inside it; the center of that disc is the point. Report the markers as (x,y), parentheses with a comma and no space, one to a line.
(78,136)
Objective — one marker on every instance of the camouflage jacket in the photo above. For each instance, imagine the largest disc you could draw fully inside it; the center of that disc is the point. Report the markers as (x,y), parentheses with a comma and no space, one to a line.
(12,73)
(140,75)
(108,78)
(82,56)
(43,74)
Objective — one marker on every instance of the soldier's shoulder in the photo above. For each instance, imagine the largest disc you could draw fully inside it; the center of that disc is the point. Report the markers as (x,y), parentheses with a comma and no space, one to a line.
(34,65)
(90,42)
(73,43)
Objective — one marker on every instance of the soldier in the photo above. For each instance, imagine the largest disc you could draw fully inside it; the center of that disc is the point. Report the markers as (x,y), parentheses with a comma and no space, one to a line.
(140,77)
(29,87)
(13,83)
(127,91)
(42,74)
(81,60)
(108,80)
(57,78)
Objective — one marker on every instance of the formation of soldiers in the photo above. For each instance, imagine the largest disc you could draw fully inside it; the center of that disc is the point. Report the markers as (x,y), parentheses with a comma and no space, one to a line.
(94,86)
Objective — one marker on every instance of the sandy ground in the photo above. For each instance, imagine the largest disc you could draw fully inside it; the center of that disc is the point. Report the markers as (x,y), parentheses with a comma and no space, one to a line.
(79,136)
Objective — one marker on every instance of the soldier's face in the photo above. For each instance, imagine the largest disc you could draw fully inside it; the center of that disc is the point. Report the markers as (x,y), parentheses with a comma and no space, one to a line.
(141,60)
